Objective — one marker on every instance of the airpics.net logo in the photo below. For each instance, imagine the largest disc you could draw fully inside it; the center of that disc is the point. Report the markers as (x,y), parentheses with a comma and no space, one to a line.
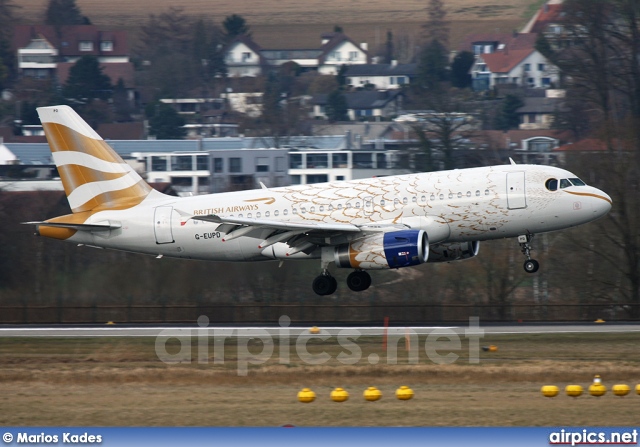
(441,345)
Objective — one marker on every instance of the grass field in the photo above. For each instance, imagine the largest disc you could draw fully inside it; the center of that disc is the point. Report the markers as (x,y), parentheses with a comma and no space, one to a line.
(120,381)
(294,23)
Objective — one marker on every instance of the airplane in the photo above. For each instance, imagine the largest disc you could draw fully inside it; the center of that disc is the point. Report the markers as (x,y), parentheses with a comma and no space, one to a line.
(368,224)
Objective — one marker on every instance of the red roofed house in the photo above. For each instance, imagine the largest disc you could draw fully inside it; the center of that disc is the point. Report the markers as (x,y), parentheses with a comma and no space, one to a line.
(514,62)
(45,54)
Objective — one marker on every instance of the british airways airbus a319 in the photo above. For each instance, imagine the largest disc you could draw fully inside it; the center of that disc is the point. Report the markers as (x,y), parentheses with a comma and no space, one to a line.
(369,224)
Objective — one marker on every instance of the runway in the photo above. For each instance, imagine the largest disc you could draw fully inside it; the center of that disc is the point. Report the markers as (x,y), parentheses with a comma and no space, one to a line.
(297,331)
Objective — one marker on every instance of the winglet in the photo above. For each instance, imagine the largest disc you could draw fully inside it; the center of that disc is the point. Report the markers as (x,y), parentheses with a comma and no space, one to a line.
(511,160)
(262,186)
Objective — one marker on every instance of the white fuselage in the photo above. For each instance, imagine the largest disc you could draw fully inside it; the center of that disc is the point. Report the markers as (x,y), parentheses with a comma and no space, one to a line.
(451,206)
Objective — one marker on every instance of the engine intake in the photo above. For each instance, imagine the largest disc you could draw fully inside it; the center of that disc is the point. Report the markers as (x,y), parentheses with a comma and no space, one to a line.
(394,249)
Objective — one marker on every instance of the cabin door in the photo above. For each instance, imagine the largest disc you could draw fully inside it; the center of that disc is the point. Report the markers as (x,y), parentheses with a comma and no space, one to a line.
(516,197)
(162,225)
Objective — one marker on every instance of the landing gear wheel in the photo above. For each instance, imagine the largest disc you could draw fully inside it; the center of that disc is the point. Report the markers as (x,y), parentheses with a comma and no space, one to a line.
(531,266)
(358,280)
(325,285)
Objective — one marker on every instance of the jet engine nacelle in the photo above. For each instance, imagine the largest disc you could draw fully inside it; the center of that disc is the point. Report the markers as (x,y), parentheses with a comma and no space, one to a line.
(393,249)
(453,251)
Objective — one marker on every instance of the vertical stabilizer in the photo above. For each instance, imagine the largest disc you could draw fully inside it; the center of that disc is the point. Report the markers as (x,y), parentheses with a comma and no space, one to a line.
(94,176)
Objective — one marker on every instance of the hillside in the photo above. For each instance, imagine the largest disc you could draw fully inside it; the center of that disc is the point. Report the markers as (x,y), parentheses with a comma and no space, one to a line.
(295,23)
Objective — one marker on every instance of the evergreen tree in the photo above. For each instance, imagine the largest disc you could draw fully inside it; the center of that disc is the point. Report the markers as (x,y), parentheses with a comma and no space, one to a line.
(460,76)
(164,122)
(433,66)
(217,67)
(337,108)
(507,117)
(437,26)
(234,26)
(388,48)
(64,12)
(87,81)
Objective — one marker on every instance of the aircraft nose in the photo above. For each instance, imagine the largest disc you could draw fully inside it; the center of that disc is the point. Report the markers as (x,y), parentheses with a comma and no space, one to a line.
(602,203)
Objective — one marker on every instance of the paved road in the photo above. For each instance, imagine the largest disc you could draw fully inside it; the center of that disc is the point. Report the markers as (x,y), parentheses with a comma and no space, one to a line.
(251,331)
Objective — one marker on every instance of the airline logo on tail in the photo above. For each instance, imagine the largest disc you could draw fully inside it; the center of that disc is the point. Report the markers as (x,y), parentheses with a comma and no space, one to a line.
(94,176)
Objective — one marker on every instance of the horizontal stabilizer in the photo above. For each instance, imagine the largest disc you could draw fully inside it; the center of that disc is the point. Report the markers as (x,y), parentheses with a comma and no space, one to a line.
(78,227)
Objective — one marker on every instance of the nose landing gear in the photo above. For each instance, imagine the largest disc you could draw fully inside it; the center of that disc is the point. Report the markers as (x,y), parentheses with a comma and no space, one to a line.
(530,265)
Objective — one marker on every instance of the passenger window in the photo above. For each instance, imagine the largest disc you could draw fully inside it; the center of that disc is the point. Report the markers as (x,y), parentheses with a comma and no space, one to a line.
(258,215)
(486,192)
(330,207)
(303,210)
(552,184)
(382,202)
(295,211)
(450,195)
(414,199)
(423,198)
(405,200)
(564,183)
(312,209)
(441,196)
(432,197)
(468,193)
(339,206)
(459,195)
(478,193)
(285,212)
(321,208)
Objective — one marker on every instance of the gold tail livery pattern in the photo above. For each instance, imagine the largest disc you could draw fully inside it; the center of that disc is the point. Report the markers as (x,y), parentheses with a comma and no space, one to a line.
(94,176)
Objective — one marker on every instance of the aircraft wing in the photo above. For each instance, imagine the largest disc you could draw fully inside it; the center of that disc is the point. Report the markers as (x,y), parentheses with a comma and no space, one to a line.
(301,236)
(278,225)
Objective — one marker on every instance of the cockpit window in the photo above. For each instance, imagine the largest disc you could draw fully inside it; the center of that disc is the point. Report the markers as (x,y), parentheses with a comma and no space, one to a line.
(564,183)
(552,184)
(577,182)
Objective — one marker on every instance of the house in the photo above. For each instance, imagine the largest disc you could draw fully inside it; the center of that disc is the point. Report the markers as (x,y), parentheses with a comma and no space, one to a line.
(363,105)
(484,43)
(337,50)
(244,57)
(45,53)
(546,19)
(516,62)
(381,76)
(539,112)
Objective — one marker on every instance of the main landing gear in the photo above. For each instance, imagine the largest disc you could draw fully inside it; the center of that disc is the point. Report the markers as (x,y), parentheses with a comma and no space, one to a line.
(530,265)
(325,284)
